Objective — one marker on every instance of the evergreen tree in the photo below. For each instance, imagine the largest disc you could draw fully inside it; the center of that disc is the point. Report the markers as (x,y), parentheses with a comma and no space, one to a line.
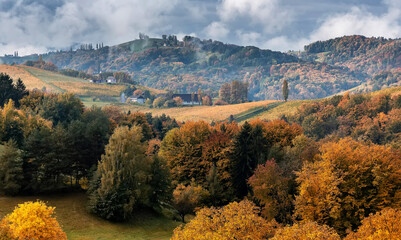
(7,90)
(122,179)
(285,90)
(10,169)
(20,91)
(244,159)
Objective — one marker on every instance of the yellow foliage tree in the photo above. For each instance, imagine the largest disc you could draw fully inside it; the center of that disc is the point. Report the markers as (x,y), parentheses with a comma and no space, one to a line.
(33,220)
(233,221)
(350,181)
(306,231)
(384,225)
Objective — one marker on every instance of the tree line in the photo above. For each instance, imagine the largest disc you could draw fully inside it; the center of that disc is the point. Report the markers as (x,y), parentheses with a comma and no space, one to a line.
(269,173)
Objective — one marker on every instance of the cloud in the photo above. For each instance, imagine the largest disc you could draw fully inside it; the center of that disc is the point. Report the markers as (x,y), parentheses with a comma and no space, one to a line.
(360,21)
(216,30)
(355,21)
(267,13)
(37,24)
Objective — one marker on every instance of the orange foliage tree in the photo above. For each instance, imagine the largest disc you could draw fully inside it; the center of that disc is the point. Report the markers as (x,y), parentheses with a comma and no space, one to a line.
(270,188)
(306,231)
(33,220)
(384,225)
(350,181)
(233,221)
(182,149)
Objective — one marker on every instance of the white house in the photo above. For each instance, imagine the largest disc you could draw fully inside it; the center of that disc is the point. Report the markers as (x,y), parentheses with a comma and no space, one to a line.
(111,80)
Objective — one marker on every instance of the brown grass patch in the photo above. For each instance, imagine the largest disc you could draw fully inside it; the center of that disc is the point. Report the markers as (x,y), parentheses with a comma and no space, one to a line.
(29,80)
(89,89)
(207,113)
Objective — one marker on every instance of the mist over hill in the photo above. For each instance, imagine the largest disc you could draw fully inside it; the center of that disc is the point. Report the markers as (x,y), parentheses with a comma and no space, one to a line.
(323,69)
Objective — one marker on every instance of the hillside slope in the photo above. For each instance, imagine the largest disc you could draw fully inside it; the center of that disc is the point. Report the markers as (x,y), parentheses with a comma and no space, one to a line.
(323,69)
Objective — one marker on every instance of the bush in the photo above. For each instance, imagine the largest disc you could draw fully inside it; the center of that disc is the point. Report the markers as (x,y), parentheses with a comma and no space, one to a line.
(33,220)
(220,102)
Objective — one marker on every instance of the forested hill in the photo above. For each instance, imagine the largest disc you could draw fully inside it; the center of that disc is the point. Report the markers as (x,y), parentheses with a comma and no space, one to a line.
(358,53)
(324,69)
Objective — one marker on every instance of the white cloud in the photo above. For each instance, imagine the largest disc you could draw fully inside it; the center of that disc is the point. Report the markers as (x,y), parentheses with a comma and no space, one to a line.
(360,21)
(357,20)
(268,13)
(216,30)
(250,38)
(83,21)
(284,43)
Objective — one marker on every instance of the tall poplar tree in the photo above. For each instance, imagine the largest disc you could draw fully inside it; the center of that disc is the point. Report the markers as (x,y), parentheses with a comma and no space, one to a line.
(285,90)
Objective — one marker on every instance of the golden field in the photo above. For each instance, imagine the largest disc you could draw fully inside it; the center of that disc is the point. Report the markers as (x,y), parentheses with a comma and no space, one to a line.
(30,81)
(207,113)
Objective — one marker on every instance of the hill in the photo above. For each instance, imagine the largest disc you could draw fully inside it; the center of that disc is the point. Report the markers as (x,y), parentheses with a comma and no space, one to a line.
(325,68)
(357,53)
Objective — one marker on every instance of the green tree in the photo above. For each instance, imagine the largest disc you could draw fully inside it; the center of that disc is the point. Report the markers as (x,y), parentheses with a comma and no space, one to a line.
(245,157)
(285,90)
(7,90)
(10,169)
(121,182)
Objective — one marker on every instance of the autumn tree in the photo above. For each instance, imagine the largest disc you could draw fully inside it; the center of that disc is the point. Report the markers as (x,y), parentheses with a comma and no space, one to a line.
(306,231)
(384,225)
(122,179)
(234,221)
(225,92)
(182,149)
(10,169)
(271,189)
(34,220)
(187,198)
(350,181)
(285,90)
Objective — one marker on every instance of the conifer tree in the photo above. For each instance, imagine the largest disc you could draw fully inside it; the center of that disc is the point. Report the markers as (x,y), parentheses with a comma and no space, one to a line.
(244,159)
(10,169)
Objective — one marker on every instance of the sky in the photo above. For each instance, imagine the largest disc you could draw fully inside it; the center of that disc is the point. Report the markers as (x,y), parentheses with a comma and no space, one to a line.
(38,26)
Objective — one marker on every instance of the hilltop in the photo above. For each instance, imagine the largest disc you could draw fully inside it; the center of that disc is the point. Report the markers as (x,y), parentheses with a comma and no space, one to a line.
(325,68)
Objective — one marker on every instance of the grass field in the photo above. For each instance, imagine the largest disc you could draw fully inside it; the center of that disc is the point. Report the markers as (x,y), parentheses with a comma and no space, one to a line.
(77,86)
(29,80)
(78,224)
(207,113)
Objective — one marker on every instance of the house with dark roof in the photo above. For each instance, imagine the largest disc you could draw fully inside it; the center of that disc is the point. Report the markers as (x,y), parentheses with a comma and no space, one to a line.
(137,99)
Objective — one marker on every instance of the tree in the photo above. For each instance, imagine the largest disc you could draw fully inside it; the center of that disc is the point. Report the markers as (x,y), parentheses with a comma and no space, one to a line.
(234,221)
(187,198)
(182,150)
(350,181)
(7,90)
(122,178)
(306,231)
(34,220)
(244,157)
(158,102)
(285,90)
(11,173)
(384,225)
(271,189)
(225,92)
